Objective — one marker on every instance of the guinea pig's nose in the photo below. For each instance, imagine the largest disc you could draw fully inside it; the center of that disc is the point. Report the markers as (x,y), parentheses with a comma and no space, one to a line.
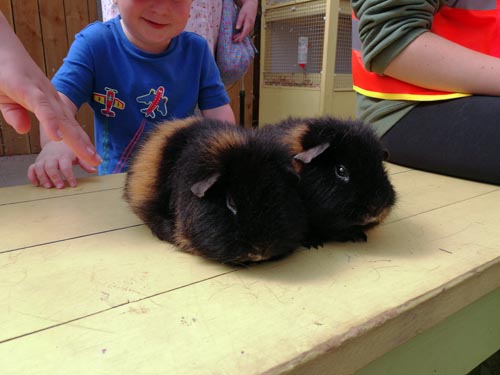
(369,219)
(376,216)
(255,257)
(259,253)
(384,213)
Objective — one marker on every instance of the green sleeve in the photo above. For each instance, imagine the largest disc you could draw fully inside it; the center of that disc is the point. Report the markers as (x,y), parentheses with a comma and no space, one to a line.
(386,27)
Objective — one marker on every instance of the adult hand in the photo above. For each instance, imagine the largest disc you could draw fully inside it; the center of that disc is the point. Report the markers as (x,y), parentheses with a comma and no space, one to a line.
(24,87)
(246,19)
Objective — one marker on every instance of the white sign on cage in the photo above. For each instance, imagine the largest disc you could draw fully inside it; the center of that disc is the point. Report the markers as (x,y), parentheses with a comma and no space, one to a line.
(302,51)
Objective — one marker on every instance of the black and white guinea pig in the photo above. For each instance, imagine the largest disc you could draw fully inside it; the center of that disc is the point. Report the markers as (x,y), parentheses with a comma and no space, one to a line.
(344,185)
(217,190)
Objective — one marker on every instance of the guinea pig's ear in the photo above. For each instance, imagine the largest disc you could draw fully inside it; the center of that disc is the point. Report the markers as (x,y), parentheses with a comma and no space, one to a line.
(200,188)
(308,155)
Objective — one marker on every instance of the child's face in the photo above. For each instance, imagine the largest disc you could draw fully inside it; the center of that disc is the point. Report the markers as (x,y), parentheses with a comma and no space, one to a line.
(151,24)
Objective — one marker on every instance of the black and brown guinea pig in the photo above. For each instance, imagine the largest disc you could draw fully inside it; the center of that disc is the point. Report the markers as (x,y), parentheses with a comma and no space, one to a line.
(344,185)
(217,190)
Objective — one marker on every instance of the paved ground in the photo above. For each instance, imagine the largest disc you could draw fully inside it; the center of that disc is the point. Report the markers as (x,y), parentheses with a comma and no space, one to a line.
(13,170)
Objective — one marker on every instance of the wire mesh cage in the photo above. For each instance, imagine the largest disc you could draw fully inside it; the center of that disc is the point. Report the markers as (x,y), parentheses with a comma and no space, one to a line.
(294,44)
(294,40)
(275,2)
(343,67)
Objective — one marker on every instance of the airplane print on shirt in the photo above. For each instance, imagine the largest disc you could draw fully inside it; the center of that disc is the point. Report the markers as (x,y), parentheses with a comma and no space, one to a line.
(109,100)
(155,101)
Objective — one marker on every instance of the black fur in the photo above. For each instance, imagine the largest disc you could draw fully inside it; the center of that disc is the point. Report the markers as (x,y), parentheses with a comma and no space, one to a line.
(198,187)
(344,187)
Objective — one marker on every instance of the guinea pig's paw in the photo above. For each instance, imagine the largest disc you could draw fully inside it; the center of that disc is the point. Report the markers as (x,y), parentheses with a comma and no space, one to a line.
(312,243)
(161,226)
(162,229)
(359,237)
(354,234)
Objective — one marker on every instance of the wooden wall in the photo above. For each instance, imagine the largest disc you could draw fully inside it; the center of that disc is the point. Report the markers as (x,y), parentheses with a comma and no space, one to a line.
(47,29)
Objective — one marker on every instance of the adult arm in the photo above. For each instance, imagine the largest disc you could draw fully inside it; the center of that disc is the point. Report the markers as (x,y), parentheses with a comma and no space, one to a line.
(397,41)
(433,62)
(24,87)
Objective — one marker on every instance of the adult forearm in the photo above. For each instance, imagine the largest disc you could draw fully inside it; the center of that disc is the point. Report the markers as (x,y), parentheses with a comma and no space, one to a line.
(433,62)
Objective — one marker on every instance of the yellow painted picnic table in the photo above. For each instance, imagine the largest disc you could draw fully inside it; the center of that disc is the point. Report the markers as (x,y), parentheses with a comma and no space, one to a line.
(85,288)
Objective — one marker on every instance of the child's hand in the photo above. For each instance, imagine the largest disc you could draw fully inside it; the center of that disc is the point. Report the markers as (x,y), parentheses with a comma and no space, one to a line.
(54,164)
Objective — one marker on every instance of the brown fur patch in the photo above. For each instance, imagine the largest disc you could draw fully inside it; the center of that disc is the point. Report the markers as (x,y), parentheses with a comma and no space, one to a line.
(141,185)
(224,141)
(182,242)
(179,236)
(293,139)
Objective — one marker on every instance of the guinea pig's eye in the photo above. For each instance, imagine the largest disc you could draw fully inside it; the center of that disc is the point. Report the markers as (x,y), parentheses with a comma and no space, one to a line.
(230,204)
(342,172)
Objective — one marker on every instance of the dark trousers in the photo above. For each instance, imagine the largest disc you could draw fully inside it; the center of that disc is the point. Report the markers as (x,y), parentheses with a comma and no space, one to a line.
(459,137)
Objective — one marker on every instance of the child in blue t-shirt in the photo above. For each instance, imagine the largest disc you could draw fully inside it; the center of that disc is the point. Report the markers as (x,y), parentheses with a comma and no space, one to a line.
(136,71)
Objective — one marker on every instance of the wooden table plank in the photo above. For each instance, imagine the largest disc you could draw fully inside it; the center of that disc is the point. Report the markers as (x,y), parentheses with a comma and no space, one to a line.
(39,222)
(26,193)
(215,325)
(274,316)
(418,191)
(394,168)
(25,221)
(49,285)
(474,330)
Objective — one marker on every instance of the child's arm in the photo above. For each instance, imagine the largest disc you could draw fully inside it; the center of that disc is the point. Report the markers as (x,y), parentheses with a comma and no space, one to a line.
(56,159)
(223,113)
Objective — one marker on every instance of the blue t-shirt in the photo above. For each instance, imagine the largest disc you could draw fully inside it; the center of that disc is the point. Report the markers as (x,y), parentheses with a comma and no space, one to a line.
(131,91)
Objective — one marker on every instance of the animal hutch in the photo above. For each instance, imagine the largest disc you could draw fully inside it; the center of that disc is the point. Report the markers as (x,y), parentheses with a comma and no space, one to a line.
(305,59)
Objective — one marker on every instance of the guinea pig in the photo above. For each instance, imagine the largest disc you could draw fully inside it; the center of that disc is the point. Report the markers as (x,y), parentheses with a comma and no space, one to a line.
(344,185)
(217,190)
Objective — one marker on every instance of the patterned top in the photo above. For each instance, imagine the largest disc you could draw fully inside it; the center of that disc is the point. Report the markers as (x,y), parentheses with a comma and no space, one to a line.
(204,20)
